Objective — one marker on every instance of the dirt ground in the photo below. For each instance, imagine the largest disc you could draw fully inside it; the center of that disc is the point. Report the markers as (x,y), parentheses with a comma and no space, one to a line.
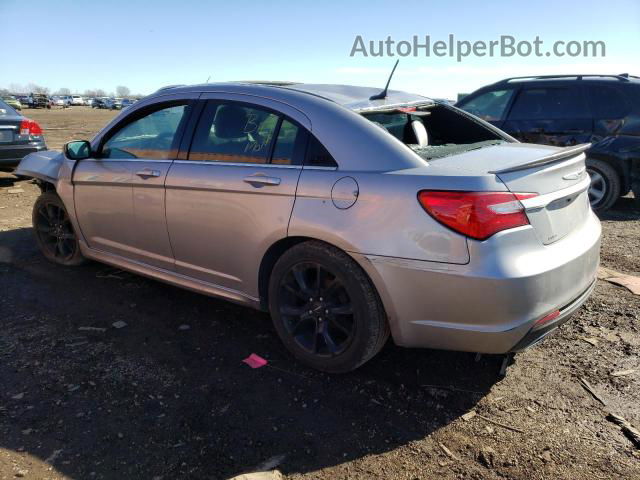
(168,397)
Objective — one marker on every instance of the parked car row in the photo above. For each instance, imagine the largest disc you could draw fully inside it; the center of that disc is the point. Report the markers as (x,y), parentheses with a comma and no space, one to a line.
(35,100)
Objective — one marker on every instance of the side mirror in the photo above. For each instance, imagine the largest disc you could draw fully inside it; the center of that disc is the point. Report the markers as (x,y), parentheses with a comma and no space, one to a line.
(77,150)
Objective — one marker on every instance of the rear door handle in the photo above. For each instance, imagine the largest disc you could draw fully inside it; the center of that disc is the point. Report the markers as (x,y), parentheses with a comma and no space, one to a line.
(260,180)
(146,173)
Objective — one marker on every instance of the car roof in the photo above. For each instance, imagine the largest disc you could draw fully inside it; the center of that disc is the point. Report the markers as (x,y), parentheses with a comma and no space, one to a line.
(353,97)
(332,113)
(622,79)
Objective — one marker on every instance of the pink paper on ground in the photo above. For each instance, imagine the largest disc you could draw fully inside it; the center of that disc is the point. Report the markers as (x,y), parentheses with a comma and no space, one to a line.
(255,361)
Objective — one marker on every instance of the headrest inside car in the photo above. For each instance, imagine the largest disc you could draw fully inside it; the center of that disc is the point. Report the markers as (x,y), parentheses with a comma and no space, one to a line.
(230,122)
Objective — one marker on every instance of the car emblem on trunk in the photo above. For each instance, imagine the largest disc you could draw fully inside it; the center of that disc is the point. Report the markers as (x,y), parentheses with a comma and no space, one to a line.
(574,175)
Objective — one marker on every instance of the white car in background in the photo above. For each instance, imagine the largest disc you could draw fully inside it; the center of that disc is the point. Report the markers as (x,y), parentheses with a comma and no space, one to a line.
(61,101)
(77,100)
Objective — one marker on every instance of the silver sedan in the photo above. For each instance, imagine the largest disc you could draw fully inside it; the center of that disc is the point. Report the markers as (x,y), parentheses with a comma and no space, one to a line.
(348,214)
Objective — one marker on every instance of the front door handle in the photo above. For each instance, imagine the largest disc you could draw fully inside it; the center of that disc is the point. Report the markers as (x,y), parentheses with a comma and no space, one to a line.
(261,180)
(146,173)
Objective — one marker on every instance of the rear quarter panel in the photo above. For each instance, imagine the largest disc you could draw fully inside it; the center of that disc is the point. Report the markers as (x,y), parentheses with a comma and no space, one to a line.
(385,220)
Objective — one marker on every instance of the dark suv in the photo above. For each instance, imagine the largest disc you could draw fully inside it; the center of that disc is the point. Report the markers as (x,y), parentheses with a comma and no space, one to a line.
(567,110)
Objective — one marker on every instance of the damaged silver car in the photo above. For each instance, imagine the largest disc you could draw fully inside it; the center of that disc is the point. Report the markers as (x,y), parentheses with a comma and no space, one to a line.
(348,214)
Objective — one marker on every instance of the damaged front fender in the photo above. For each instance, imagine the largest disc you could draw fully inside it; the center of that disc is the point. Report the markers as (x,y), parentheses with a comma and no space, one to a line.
(44,166)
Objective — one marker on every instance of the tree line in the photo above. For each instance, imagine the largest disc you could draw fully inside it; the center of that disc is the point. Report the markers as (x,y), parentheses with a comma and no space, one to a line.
(14,88)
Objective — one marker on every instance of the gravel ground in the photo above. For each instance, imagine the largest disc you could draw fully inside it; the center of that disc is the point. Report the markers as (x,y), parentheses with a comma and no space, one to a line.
(157,400)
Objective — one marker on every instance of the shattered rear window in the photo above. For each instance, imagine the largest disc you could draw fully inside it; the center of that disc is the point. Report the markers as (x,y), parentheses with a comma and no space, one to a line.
(437,130)
(433,152)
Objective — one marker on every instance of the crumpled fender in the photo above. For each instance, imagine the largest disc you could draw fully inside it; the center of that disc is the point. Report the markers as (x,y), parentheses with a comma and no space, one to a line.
(43,165)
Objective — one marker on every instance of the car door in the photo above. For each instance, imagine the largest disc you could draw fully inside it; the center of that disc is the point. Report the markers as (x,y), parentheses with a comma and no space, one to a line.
(550,115)
(610,108)
(232,198)
(119,193)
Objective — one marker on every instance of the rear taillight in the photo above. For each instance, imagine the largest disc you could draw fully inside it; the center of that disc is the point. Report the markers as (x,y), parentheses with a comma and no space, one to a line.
(476,214)
(29,127)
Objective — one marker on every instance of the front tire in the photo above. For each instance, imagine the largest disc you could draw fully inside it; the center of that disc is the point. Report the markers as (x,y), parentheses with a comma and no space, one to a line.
(54,232)
(636,193)
(325,309)
(605,185)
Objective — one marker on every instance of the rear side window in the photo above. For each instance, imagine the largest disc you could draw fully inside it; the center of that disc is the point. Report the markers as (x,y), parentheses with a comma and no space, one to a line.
(232,132)
(549,103)
(153,136)
(317,155)
(489,106)
(289,147)
(607,102)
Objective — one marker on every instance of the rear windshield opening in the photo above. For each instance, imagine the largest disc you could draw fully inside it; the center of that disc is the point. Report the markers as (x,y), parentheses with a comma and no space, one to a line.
(435,132)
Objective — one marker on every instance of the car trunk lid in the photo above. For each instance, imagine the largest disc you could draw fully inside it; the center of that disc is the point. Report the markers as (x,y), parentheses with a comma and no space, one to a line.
(9,129)
(557,175)
(561,182)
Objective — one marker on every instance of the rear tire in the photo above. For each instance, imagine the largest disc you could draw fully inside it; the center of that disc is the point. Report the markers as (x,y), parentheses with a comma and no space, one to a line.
(605,185)
(325,309)
(54,232)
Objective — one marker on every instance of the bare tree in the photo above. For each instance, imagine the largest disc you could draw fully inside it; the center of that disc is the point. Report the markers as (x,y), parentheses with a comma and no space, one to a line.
(122,91)
(17,88)
(4,91)
(100,93)
(34,88)
(64,91)
(90,93)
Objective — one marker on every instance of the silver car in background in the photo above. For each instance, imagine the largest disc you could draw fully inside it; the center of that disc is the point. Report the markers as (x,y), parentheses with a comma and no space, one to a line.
(348,214)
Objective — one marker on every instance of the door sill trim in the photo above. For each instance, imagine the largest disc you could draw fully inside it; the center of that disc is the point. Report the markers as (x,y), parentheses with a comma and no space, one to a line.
(171,277)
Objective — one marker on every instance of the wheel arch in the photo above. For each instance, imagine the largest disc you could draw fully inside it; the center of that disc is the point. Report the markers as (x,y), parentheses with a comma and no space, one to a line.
(621,165)
(276,250)
(269,259)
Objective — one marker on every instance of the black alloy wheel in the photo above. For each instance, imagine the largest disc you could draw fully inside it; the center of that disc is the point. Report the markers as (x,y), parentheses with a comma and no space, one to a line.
(325,308)
(316,309)
(54,231)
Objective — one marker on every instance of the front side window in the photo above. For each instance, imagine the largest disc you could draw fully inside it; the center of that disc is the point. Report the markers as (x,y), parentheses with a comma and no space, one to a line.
(549,103)
(489,106)
(234,133)
(150,137)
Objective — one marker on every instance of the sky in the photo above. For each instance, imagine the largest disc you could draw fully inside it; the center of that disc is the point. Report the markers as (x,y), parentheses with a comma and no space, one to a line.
(145,45)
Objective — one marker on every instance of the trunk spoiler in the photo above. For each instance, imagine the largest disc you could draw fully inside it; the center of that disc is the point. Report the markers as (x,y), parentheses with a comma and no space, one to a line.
(566,152)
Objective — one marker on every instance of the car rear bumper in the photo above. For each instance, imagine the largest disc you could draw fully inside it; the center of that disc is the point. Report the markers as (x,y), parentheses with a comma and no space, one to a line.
(491,304)
(10,155)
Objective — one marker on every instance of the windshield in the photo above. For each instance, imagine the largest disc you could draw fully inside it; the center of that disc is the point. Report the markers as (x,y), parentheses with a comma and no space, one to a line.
(6,110)
(436,131)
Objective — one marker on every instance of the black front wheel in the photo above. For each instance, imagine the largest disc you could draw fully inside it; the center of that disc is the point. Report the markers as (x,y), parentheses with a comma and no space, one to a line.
(54,231)
(325,309)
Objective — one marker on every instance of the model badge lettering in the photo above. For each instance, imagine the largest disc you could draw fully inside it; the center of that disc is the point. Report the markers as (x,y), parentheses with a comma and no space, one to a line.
(574,175)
